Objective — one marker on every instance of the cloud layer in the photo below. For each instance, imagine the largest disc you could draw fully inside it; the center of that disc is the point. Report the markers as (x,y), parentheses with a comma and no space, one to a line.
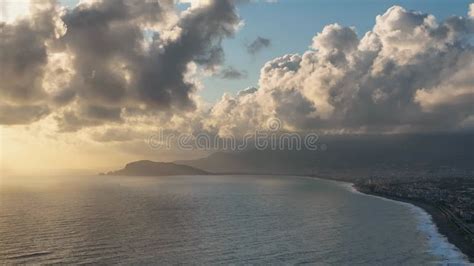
(109,61)
(410,73)
(126,67)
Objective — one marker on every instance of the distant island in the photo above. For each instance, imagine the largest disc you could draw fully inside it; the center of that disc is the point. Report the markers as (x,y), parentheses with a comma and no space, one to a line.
(150,168)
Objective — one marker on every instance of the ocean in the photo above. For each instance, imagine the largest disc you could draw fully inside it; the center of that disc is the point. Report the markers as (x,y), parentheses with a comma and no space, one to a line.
(211,220)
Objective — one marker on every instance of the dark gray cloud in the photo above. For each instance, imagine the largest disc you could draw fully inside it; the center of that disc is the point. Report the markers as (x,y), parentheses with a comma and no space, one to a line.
(120,56)
(22,114)
(160,78)
(23,57)
(231,73)
(68,121)
(116,135)
(257,45)
(107,40)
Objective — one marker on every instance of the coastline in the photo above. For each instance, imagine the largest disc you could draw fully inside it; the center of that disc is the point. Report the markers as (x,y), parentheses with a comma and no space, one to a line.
(442,223)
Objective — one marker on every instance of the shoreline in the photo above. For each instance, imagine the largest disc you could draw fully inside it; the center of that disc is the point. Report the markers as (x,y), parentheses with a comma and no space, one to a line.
(439,219)
(444,227)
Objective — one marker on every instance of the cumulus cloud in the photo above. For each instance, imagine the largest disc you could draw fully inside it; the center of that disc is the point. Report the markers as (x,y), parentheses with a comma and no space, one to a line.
(102,60)
(126,68)
(117,70)
(336,39)
(257,45)
(24,55)
(410,73)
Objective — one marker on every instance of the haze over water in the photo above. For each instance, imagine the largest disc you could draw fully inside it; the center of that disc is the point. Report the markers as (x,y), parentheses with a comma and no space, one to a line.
(207,219)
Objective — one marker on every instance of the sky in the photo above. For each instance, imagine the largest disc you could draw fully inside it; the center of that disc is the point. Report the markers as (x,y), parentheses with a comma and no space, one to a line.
(280,21)
(85,85)
(304,17)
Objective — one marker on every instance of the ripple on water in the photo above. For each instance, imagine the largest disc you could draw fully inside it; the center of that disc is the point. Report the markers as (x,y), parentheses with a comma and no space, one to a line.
(211,220)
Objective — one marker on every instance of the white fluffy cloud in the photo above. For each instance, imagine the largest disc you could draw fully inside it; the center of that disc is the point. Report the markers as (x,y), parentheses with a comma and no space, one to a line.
(410,73)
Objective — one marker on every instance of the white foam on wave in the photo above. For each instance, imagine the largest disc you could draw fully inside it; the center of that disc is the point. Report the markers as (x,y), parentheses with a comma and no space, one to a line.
(438,243)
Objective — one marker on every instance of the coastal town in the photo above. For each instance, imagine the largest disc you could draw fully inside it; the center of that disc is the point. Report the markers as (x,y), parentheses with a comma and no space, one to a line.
(451,198)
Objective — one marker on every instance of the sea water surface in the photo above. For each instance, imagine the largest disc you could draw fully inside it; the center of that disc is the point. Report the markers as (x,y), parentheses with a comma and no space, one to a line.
(210,220)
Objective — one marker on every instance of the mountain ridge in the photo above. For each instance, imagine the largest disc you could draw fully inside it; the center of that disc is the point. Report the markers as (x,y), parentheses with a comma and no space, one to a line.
(350,157)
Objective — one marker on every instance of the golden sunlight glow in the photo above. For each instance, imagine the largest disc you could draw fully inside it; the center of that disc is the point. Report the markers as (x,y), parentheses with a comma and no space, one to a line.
(29,151)
(12,9)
